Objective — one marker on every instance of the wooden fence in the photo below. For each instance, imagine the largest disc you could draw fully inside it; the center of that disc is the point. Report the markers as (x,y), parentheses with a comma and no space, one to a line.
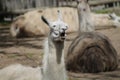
(13,5)
(11,8)
(104,4)
(20,5)
(8,7)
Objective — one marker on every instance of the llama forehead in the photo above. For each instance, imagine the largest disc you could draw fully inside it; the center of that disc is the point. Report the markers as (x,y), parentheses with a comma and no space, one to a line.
(59,24)
(82,4)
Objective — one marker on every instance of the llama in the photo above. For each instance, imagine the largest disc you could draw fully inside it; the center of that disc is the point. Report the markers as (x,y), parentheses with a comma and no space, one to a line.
(29,24)
(53,61)
(17,30)
(85,17)
(90,52)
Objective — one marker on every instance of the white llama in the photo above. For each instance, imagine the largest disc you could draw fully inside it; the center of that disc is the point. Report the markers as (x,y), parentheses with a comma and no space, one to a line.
(85,18)
(53,60)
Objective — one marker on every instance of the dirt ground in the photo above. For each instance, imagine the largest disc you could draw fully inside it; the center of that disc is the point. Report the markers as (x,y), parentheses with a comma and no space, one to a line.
(29,51)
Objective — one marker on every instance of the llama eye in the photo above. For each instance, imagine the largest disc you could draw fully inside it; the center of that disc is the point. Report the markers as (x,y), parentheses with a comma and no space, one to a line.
(54,26)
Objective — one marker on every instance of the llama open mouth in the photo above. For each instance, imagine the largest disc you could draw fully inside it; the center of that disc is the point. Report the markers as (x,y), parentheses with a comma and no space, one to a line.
(63,38)
(62,35)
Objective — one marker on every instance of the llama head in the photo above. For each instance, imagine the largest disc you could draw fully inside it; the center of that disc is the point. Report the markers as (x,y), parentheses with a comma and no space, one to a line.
(113,16)
(116,19)
(57,28)
(83,5)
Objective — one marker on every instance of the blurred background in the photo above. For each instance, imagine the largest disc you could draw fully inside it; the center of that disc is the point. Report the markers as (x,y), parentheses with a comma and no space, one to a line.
(29,50)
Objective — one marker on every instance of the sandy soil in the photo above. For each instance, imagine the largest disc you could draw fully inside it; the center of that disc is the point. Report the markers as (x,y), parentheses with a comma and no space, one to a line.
(29,51)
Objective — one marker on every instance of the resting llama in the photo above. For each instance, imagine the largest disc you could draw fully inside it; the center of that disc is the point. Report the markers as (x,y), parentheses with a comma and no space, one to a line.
(90,52)
(53,61)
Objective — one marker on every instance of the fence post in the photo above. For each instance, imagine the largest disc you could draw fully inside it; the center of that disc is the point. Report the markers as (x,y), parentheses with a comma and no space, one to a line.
(117,4)
(57,3)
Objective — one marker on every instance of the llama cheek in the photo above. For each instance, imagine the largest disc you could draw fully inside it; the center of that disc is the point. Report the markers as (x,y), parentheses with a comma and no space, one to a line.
(55,36)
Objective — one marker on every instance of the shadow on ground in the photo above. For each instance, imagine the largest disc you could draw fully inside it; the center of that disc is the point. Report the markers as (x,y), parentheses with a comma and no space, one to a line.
(25,51)
(7,41)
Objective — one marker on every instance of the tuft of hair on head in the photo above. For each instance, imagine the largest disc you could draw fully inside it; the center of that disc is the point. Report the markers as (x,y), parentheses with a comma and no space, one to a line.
(44,20)
(59,15)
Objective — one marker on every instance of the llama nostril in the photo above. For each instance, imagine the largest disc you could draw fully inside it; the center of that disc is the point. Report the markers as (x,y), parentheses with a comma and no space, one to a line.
(63,29)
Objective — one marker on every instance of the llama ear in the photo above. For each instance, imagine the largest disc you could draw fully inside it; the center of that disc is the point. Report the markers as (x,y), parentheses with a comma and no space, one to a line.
(112,16)
(59,15)
(45,20)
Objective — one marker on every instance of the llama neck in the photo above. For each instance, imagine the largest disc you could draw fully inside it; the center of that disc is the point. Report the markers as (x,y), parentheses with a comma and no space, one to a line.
(85,20)
(56,50)
(53,62)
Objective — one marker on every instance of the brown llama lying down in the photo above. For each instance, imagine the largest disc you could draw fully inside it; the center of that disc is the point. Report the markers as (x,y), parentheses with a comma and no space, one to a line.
(91,52)
(30,24)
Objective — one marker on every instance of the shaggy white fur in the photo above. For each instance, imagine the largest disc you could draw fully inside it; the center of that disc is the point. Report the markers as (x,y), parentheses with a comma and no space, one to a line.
(52,68)
(53,62)
(20,72)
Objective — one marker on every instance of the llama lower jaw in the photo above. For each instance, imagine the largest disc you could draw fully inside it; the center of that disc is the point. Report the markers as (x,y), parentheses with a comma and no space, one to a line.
(60,39)
(63,38)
